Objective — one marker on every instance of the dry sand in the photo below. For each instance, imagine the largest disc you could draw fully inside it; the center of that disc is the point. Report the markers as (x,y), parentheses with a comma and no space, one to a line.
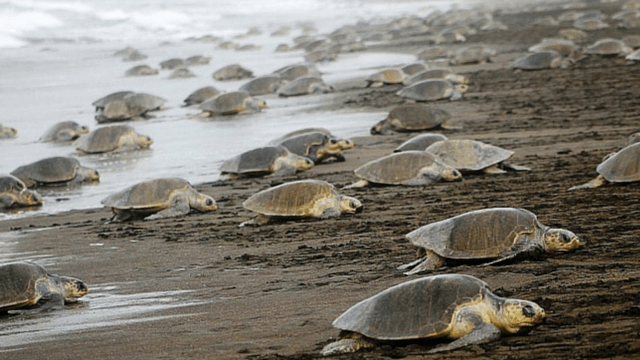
(271,292)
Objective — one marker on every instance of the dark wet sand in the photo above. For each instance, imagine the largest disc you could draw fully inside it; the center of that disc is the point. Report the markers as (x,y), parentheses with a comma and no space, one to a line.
(275,290)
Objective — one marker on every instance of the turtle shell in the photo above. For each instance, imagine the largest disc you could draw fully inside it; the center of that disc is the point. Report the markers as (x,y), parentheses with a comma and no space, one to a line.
(428,90)
(415,117)
(623,166)
(47,171)
(537,61)
(232,72)
(428,74)
(119,95)
(292,72)
(388,76)
(420,142)
(197,60)
(473,54)
(296,198)
(71,127)
(254,161)
(201,95)
(468,155)
(262,85)
(608,47)
(302,144)
(304,86)
(104,139)
(299,132)
(141,70)
(415,309)
(563,47)
(147,195)
(226,104)
(172,64)
(396,168)
(479,234)
(414,68)
(18,283)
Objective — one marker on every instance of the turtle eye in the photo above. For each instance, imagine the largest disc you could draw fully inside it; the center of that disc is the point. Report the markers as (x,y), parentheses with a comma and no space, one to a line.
(209,202)
(528,311)
(566,238)
(333,141)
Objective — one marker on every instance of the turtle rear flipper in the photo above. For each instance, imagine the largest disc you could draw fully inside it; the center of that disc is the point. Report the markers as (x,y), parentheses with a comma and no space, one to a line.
(480,334)
(347,345)
(431,262)
(48,302)
(597,182)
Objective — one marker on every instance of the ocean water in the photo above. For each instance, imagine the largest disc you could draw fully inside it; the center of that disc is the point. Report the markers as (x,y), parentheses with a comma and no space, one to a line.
(56,58)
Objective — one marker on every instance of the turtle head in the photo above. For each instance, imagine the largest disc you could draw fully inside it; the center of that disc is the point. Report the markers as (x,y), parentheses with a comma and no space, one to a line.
(73,288)
(144,141)
(303,163)
(462,88)
(203,203)
(349,205)
(560,240)
(517,316)
(83,130)
(439,172)
(261,103)
(457,79)
(451,174)
(29,198)
(383,127)
(340,144)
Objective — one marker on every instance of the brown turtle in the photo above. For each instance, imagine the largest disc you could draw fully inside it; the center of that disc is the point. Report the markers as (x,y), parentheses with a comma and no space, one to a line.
(158,199)
(412,117)
(473,54)
(112,138)
(609,47)
(540,60)
(14,193)
(420,142)
(494,235)
(55,171)
(304,198)
(28,288)
(317,146)
(268,160)
(131,106)
(7,132)
(620,167)
(64,131)
(231,103)
(387,76)
(452,306)
(471,156)
(232,72)
(201,95)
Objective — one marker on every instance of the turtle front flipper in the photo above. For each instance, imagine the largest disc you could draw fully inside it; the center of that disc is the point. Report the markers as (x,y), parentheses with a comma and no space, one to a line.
(510,166)
(431,262)
(480,334)
(597,182)
(179,207)
(48,302)
(357,184)
(493,169)
(350,344)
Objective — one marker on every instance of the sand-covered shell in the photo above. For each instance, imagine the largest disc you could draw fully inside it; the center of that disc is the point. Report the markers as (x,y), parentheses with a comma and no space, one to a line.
(386,77)
(292,72)
(473,54)
(623,166)
(564,47)
(608,47)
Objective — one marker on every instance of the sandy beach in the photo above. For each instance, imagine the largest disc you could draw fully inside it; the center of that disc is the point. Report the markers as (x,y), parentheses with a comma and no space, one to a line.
(200,287)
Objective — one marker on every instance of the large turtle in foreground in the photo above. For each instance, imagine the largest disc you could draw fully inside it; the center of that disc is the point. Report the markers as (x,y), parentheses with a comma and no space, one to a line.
(495,234)
(64,131)
(304,198)
(470,156)
(55,171)
(14,193)
(432,90)
(412,117)
(452,306)
(268,160)
(317,146)
(112,138)
(621,167)
(27,288)
(409,168)
(158,199)
(235,102)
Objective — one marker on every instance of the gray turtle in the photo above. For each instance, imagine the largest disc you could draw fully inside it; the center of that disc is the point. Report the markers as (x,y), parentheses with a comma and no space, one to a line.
(434,52)
(158,199)
(473,54)
(262,85)
(304,198)
(197,60)
(141,70)
(433,89)
(633,138)
(64,131)
(299,132)
(438,73)
(292,72)
(412,117)
(572,34)
(420,142)
(55,171)
(28,288)
(172,64)
(112,138)
(304,86)
(387,76)
(235,102)
(201,95)
(609,47)
(129,107)
(268,160)
(317,146)
(14,193)
(413,69)
(494,235)
(409,168)
(471,156)
(540,60)
(134,56)
(103,101)
(449,36)
(232,72)
(590,24)
(620,167)
(564,47)
(452,306)
(632,41)
(181,73)
(7,132)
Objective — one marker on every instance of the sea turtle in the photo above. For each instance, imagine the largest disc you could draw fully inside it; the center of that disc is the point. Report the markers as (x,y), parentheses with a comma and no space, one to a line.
(540,60)
(470,156)
(249,47)
(103,101)
(473,54)
(134,56)
(317,146)
(453,306)
(434,52)
(14,193)
(387,76)
(292,72)
(54,171)
(620,167)
(414,68)
(409,168)
(299,132)
(632,41)
(228,45)
(564,47)
(172,64)
(495,235)
(7,132)
(129,107)
(438,73)
(262,85)
(412,117)
(201,95)
(112,138)
(64,131)
(420,142)
(232,72)
(572,34)
(181,73)
(268,160)
(28,288)
(633,138)
(197,60)
(433,89)
(609,47)
(231,103)
(158,199)
(304,86)
(590,24)
(449,36)
(141,70)
(304,198)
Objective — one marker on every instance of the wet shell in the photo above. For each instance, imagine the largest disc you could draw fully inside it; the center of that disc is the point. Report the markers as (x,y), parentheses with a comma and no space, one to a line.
(468,155)
(420,142)
(402,168)
(51,171)
(623,166)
